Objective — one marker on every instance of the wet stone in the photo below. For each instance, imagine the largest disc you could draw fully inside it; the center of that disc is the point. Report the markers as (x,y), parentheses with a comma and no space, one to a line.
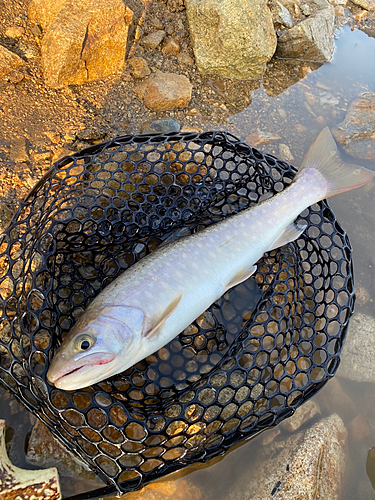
(160,127)
(44,450)
(302,415)
(291,468)
(179,489)
(356,133)
(357,357)
(259,138)
(285,153)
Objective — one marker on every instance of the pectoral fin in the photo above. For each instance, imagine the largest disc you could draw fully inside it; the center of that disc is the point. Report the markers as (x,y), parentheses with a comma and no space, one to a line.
(241,276)
(291,233)
(171,307)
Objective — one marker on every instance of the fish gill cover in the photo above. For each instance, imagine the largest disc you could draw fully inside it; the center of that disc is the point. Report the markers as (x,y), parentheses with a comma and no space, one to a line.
(247,363)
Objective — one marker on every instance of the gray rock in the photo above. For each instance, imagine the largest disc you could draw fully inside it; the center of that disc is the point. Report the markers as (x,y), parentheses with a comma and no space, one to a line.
(311,39)
(231,38)
(365,4)
(357,358)
(280,14)
(160,127)
(153,40)
(307,465)
(327,99)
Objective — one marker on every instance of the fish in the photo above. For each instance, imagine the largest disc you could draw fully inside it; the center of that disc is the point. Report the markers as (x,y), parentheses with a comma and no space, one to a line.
(154,300)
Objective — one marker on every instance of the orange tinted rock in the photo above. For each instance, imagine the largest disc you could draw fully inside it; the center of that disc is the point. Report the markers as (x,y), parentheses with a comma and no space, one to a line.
(9,61)
(166,91)
(83,40)
(259,138)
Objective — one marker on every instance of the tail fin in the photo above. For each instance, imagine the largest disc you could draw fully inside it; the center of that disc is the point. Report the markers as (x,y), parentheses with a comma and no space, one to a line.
(323,156)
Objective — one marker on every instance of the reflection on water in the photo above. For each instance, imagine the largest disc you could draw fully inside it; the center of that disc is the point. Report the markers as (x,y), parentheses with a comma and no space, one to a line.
(296,113)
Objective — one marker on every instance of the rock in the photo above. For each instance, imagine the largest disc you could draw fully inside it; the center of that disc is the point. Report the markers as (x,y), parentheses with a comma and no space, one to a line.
(91,134)
(365,4)
(160,127)
(184,59)
(231,38)
(302,415)
(45,451)
(83,40)
(361,294)
(9,61)
(311,39)
(178,489)
(18,150)
(306,9)
(370,466)
(356,133)
(334,396)
(14,31)
(305,466)
(153,40)
(172,47)
(166,91)
(139,67)
(357,357)
(280,15)
(259,138)
(285,153)
(327,99)
(358,429)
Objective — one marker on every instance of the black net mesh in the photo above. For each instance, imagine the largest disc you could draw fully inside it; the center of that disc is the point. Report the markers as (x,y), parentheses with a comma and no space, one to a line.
(245,364)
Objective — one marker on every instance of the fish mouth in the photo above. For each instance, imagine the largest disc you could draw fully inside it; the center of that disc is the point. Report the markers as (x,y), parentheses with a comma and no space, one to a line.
(86,364)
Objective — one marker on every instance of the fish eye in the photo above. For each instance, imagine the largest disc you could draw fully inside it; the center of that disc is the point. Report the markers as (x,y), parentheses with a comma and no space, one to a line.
(84,342)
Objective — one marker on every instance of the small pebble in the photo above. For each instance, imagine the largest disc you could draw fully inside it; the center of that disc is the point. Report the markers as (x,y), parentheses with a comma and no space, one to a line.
(285,153)
(14,31)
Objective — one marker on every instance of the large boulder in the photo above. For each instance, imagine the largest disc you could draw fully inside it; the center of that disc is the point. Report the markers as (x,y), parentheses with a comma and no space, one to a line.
(83,39)
(231,38)
(309,464)
(310,39)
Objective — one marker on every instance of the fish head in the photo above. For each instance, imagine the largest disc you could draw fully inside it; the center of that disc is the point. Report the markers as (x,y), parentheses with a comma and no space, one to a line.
(95,348)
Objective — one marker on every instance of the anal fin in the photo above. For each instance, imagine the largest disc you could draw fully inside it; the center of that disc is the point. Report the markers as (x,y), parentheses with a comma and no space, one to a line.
(171,307)
(242,275)
(291,233)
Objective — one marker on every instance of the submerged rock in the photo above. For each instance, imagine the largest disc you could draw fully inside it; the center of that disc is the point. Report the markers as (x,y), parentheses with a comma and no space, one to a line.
(83,40)
(231,38)
(311,39)
(357,358)
(356,133)
(307,465)
(166,91)
(160,127)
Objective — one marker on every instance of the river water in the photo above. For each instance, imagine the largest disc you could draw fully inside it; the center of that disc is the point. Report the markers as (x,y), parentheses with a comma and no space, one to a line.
(296,115)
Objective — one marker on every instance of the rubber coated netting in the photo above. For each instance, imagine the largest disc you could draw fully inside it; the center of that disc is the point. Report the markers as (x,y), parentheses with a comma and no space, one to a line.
(247,363)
